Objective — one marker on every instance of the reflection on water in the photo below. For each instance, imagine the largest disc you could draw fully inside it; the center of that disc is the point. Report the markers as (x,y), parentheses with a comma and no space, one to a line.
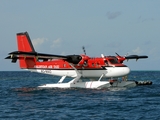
(117,88)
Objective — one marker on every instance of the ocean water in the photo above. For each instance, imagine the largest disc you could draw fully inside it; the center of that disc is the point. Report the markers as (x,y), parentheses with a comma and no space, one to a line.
(20,99)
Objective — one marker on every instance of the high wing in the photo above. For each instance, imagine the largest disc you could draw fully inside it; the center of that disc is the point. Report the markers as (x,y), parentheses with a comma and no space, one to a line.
(39,55)
(75,59)
(122,58)
(136,57)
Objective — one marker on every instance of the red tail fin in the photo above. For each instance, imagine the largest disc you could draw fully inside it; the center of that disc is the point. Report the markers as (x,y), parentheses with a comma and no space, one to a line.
(24,44)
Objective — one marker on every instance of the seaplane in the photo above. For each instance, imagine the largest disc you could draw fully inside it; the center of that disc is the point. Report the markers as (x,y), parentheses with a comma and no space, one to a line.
(101,72)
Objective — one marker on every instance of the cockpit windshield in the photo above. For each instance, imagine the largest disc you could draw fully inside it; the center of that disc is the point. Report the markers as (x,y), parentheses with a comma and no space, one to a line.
(113,61)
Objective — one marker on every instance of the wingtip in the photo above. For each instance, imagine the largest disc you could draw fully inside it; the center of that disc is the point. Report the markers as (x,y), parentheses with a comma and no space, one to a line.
(8,57)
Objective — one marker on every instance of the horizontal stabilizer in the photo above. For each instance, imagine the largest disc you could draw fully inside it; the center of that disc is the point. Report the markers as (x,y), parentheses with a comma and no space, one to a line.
(13,57)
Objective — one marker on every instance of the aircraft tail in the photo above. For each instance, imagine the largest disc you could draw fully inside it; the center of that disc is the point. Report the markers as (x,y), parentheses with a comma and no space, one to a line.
(24,42)
(25,45)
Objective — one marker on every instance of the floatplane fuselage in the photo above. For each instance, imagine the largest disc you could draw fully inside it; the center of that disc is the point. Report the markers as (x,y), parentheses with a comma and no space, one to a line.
(74,66)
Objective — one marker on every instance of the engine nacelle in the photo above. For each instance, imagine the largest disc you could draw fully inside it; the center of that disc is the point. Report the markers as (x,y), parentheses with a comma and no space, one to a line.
(120,59)
(75,59)
(84,60)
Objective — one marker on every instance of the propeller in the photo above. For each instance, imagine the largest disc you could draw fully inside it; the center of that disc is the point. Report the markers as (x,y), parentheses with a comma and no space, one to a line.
(119,58)
(84,50)
(105,61)
(117,54)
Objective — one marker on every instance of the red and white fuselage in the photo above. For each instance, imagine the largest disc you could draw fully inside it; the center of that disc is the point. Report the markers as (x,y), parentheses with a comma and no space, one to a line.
(93,69)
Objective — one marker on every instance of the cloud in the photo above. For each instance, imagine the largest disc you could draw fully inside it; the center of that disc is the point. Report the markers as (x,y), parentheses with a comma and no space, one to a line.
(142,19)
(63,53)
(137,51)
(113,15)
(38,42)
(56,43)
(43,44)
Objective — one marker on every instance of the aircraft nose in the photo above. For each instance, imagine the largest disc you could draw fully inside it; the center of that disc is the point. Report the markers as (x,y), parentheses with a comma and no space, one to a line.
(126,70)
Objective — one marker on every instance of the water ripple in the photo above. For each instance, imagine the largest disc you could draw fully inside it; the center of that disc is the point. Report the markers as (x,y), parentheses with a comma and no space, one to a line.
(21,99)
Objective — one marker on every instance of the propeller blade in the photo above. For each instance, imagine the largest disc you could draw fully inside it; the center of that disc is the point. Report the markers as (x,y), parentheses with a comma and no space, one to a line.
(117,54)
(84,50)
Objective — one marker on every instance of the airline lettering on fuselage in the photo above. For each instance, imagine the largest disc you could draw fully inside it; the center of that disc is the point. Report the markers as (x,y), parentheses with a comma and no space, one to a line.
(46,66)
(55,66)
(40,66)
(46,71)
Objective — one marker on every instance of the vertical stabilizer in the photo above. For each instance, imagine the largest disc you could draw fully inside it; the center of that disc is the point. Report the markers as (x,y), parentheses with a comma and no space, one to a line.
(24,44)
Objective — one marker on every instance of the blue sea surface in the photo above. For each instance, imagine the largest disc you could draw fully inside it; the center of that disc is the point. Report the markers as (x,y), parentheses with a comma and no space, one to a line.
(20,99)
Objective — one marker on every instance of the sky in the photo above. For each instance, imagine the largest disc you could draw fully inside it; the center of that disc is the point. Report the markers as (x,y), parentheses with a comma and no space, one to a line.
(62,27)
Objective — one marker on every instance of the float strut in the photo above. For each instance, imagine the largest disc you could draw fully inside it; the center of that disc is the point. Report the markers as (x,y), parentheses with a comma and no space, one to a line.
(62,78)
(101,77)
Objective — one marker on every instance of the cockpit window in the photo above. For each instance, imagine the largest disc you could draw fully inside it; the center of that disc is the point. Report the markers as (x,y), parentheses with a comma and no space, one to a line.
(113,61)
